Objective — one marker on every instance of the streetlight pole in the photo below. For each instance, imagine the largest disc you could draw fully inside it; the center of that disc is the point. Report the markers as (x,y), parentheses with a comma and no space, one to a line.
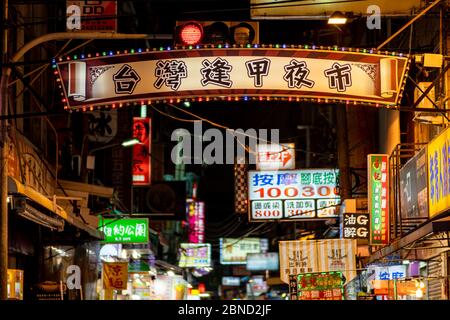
(4,146)
(4,142)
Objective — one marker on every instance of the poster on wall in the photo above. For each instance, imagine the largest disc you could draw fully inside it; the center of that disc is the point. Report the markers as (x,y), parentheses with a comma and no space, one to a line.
(439,174)
(293,194)
(145,76)
(141,152)
(378,195)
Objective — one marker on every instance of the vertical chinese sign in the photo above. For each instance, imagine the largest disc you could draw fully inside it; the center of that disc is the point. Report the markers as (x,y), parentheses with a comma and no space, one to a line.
(439,174)
(378,194)
(293,287)
(115,275)
(141,152)
(196,221)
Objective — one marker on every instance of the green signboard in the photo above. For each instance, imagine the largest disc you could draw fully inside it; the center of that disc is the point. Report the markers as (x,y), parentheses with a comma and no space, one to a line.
(125,230)
(378,194)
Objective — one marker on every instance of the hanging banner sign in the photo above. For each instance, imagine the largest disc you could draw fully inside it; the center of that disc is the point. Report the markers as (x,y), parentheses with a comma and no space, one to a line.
(141,152)
(439,174)
(378,195)
(331,75)
(293,194)
(275,156)
(115,275)
(309,256)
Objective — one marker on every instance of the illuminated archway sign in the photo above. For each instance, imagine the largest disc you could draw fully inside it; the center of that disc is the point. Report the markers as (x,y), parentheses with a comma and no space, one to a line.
(294,74)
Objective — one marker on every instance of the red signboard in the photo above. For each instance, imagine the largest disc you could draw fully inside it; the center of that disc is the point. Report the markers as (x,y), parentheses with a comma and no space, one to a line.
(141,152)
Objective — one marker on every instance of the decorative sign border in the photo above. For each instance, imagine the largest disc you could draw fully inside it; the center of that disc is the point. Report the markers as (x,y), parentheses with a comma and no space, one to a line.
(292,73)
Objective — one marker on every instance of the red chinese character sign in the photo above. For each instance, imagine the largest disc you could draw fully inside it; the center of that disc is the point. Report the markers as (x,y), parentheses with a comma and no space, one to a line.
(378,194)
(320,286)
(141,152)
(144,76)
(115,275)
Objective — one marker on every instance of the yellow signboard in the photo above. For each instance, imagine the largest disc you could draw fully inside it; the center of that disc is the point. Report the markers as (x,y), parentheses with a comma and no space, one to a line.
(15,284)
(439,174)
(115,275)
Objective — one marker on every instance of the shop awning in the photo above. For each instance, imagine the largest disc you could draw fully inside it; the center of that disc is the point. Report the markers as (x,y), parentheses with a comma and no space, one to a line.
(15,187)
(432,231)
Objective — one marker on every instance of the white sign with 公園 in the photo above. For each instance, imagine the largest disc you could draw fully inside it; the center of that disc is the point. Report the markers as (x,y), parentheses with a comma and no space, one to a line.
(275,156)
(293,194)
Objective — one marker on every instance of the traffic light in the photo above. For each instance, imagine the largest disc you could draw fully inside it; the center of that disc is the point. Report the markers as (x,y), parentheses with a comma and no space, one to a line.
(216,32)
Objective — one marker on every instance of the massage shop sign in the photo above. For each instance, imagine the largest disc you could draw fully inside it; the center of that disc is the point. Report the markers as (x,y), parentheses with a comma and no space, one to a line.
(293,194)
(110,79)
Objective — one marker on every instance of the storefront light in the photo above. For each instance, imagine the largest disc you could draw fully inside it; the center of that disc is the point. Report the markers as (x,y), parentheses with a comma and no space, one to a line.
(170,273)
(419,293)
(135,254)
